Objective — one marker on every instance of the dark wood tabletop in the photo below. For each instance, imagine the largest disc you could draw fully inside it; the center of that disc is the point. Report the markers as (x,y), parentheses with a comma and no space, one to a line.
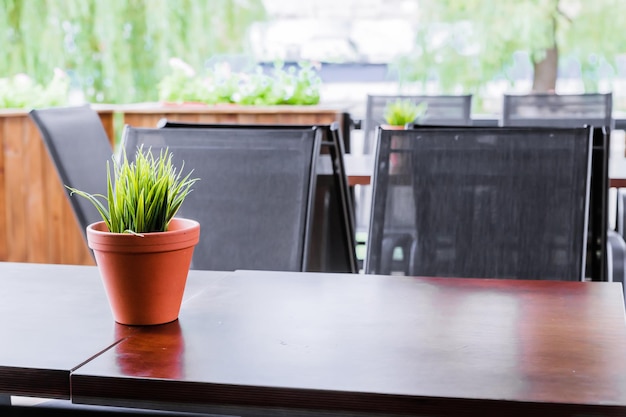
(53,319)
(257,343)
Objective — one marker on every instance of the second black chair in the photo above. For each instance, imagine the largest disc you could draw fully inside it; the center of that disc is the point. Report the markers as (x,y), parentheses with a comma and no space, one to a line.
(332,238)
(253,200)
(492,202)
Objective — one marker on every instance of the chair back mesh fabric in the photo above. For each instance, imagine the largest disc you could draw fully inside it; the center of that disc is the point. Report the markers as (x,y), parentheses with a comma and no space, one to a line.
(332,238)
(80,149)
(492,203)
(596,264)
(253,200)
(558,110)
(576,110)
(440,110)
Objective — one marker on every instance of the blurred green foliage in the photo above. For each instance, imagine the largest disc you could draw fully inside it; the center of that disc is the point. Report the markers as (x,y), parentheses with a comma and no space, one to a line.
(462,45)
(21,91)
(117,51)
(221,85)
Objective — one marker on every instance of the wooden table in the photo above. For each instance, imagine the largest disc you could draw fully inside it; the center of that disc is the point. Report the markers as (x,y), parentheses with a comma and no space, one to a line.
(258,343)
(53,319)
(255,343)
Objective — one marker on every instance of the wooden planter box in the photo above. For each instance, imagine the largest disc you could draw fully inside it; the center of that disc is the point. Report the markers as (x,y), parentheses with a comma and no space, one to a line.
(149,114)
(37,223)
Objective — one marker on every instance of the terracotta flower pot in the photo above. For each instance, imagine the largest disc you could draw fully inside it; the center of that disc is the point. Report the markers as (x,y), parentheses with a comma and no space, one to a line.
(144,277)
(393,127)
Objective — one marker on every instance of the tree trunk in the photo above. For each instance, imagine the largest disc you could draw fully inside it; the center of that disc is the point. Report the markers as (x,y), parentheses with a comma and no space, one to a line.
(544,77)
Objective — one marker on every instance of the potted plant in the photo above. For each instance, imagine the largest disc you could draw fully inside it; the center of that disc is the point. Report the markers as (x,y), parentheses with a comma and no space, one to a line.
(402,111)
(142,251)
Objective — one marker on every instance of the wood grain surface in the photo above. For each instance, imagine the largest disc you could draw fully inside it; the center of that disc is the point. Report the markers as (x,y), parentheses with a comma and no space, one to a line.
(259,342)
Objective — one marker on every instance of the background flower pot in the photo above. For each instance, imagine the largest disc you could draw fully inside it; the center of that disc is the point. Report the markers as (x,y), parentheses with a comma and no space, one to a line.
(145,276)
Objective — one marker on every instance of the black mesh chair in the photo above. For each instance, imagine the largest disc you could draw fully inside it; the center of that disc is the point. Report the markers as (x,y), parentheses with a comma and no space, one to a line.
(558,110)
(449,110)
(576,110)
(490,202)
(332,239)
(79,147)
(597,240)
(254,198)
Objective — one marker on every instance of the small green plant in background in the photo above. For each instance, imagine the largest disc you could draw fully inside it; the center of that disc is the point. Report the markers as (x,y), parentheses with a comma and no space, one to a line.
(144,195)
(403,111)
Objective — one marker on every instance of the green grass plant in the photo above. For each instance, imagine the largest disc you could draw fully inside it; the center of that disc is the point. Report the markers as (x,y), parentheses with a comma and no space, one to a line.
(144,195)
(401,112)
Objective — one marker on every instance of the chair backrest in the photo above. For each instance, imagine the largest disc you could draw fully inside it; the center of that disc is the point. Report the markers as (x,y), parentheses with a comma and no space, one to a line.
(253,200)
(575,110)
(452,110)
(558,110)
(490,202)
(80,149)
(596,264)
(332,238)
